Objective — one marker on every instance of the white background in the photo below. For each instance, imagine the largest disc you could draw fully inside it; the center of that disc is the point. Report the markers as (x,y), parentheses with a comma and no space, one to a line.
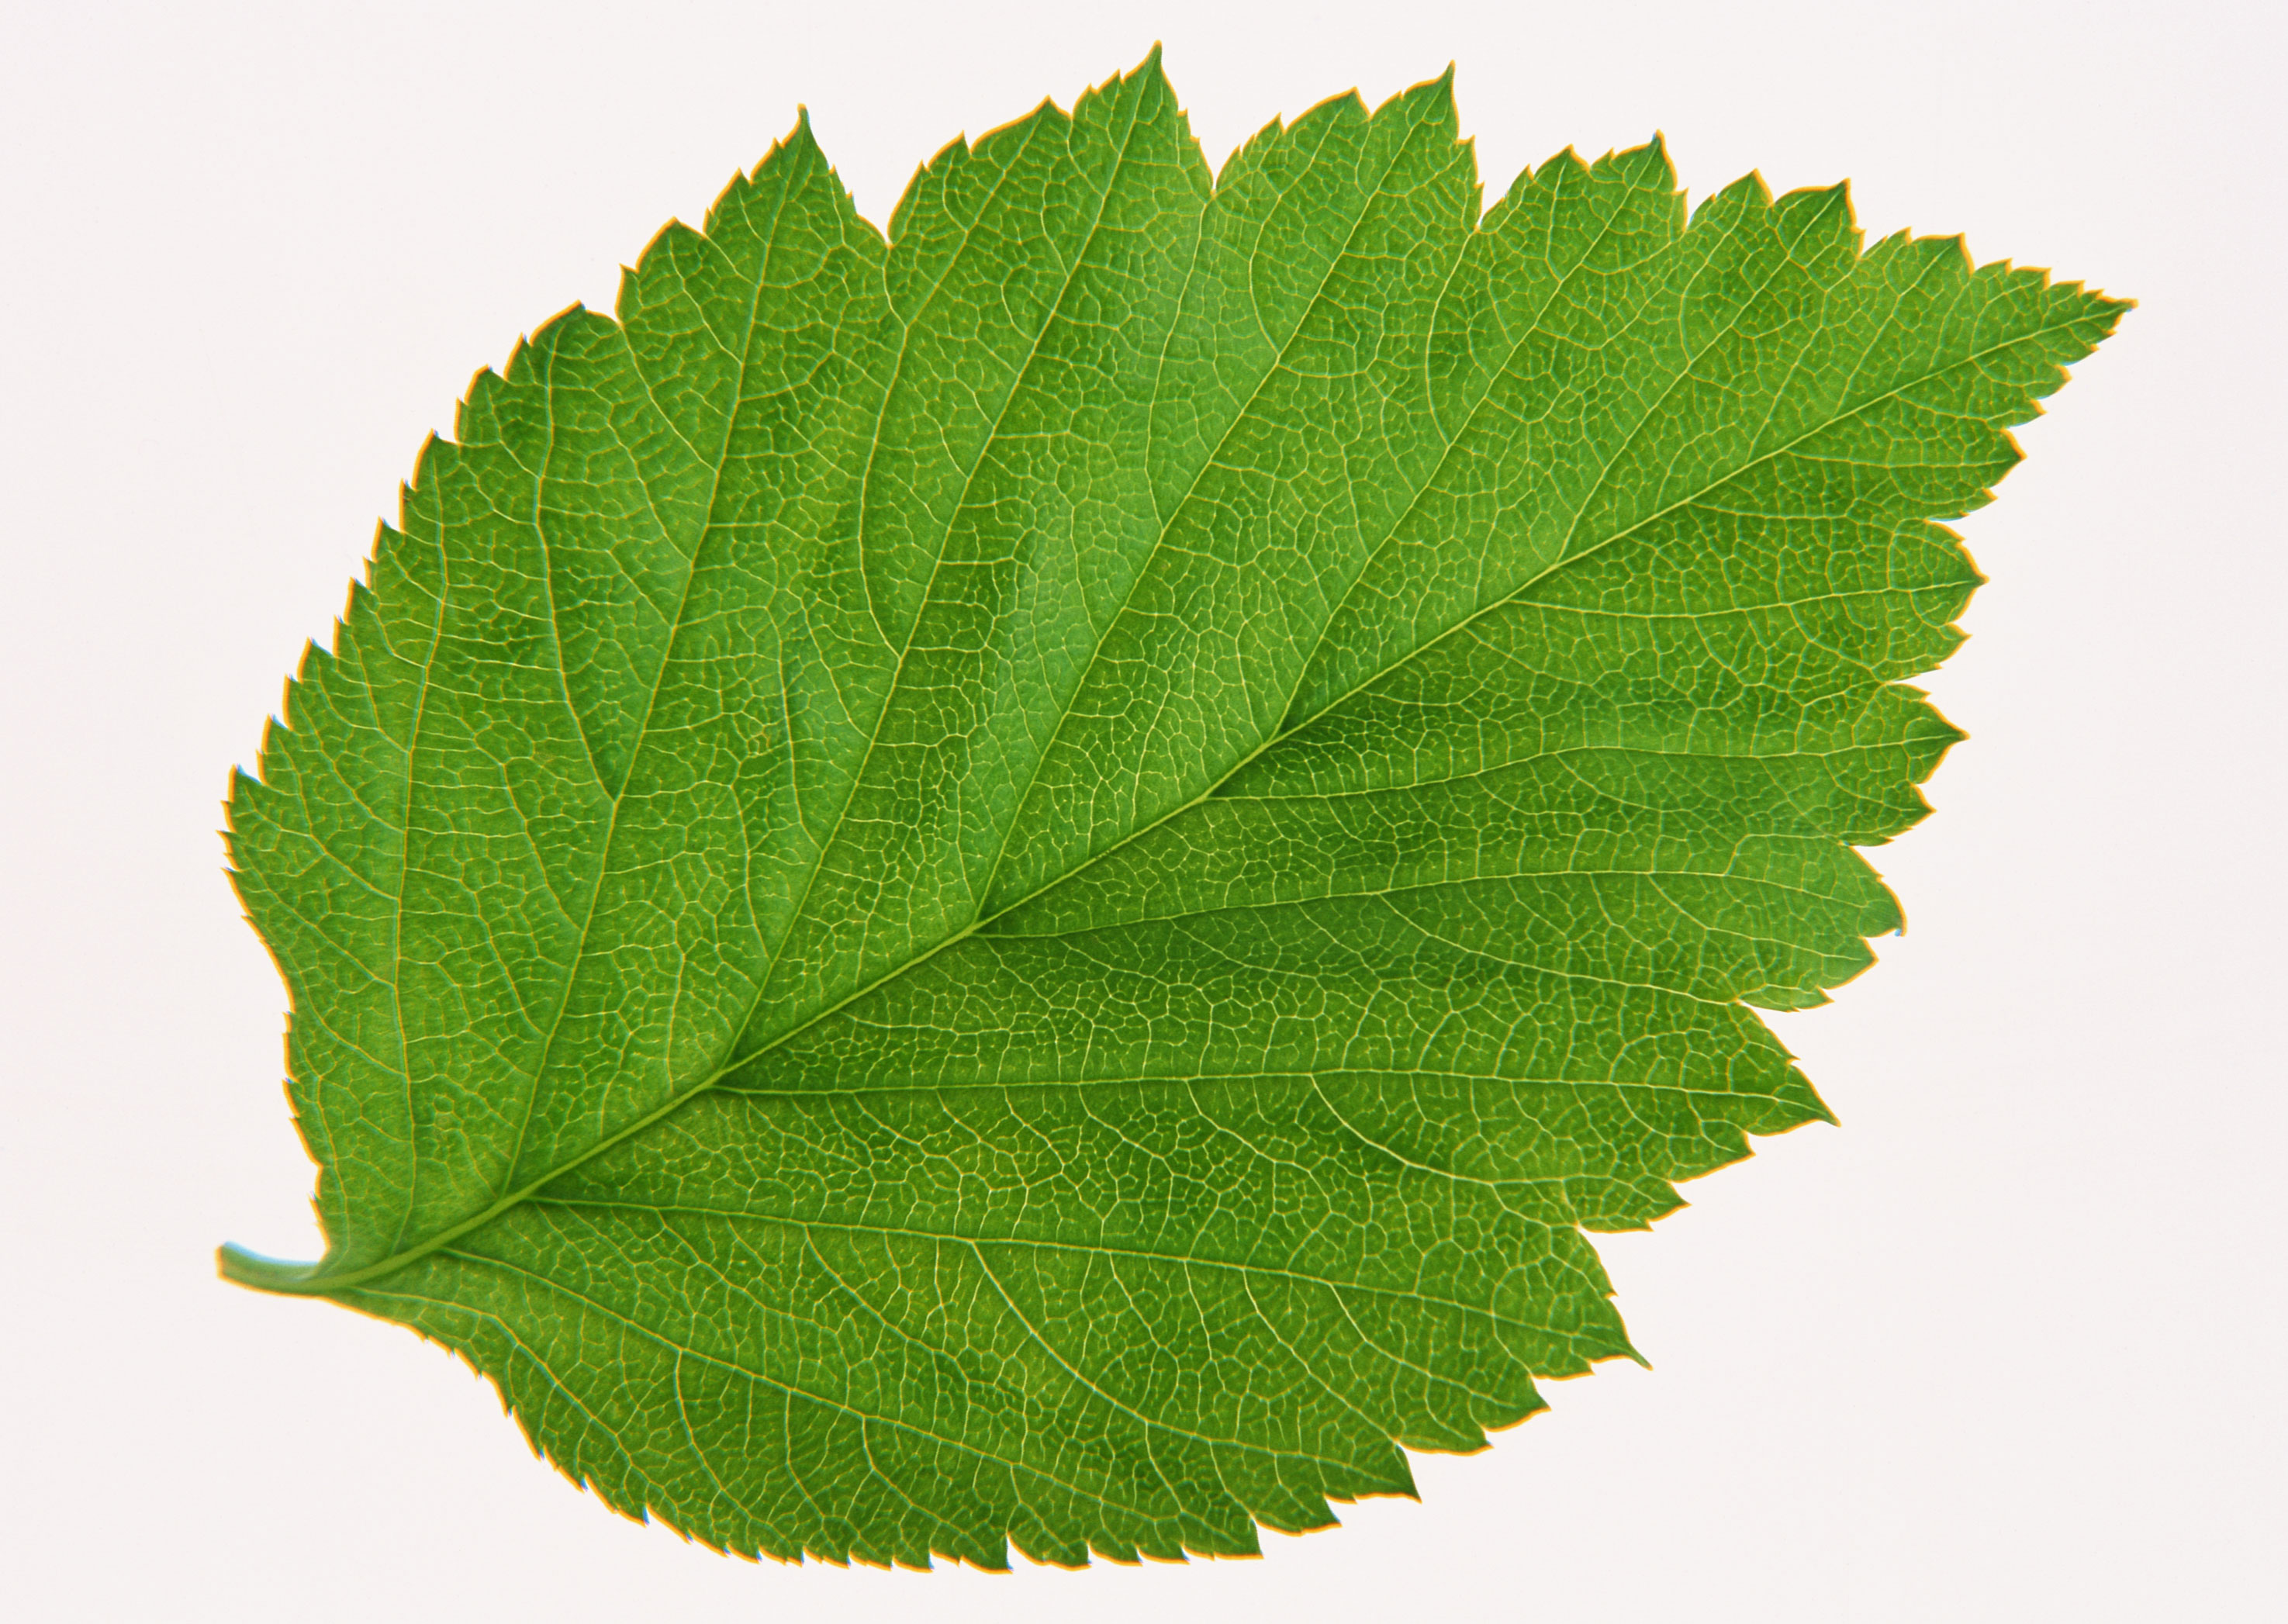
(2009,1344)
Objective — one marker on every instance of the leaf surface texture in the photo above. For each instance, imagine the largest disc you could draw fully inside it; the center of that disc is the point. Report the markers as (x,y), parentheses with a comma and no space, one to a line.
(1024,881)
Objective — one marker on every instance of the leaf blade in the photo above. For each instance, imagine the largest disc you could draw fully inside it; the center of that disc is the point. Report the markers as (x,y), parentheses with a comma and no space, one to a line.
(1091,838)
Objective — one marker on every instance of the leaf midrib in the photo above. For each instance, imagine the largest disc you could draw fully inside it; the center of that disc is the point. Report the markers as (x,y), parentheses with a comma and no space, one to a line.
(248,1269)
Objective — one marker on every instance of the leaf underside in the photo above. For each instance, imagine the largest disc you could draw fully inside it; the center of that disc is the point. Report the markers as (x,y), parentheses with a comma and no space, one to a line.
(1024,882)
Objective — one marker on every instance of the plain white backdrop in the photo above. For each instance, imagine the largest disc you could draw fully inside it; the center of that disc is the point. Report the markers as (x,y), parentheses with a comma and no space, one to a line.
(2009,1344)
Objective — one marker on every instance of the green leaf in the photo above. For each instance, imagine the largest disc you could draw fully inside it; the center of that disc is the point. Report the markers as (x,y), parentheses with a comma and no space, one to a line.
(1025,883)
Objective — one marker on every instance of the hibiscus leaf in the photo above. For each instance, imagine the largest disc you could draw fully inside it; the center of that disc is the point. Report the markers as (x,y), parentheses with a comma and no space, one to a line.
(1025,882)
